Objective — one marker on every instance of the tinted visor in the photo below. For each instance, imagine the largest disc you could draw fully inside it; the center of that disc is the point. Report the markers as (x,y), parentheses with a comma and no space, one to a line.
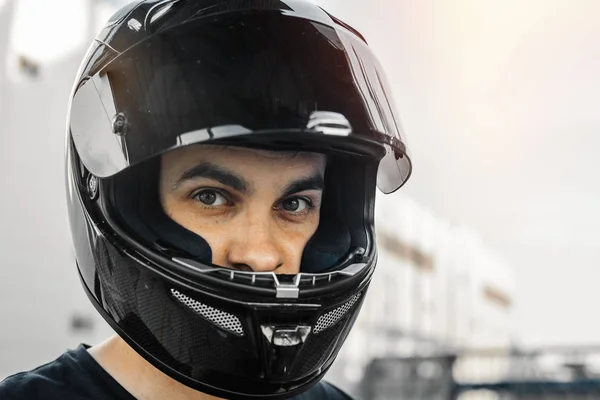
(238,75)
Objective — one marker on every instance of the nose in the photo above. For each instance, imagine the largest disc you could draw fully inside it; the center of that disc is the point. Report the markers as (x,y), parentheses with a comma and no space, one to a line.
(254,247)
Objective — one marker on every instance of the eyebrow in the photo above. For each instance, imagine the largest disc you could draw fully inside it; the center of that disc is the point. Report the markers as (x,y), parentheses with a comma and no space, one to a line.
(313,182)
(217,173)
(226,177)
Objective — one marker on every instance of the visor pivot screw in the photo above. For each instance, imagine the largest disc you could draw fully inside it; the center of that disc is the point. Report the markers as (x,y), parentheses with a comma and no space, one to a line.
(120,124)
(92,187)
(134,25)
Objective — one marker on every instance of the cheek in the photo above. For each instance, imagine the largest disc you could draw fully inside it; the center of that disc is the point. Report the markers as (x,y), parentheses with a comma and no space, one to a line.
(209,227)
(186,214)
(293,238)
(299,232)
(212,230)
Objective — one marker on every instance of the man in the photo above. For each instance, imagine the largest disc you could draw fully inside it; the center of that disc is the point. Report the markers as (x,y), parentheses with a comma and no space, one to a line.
(222,160)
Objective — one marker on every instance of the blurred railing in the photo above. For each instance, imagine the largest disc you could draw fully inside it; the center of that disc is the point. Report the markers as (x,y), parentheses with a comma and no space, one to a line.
(547,373)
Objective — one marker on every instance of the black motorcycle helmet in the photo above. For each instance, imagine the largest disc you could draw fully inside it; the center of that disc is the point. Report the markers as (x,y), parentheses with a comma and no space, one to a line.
(268,74)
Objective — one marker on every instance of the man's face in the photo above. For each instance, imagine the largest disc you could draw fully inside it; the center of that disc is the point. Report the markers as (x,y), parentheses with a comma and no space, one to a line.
(256,209)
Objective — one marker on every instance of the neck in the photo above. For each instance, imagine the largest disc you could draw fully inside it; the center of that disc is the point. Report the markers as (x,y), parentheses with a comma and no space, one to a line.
(138,376)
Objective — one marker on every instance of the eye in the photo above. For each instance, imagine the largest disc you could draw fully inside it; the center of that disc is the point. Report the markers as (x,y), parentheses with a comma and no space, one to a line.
(211,198)
(295,204)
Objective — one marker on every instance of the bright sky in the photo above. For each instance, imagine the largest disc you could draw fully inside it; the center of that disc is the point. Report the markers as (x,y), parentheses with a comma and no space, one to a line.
(46,30)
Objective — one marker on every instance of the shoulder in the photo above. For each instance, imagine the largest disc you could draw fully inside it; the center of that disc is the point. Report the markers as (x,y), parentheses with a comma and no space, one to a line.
(29,385)
(14,387)
(323,391)
(54,380)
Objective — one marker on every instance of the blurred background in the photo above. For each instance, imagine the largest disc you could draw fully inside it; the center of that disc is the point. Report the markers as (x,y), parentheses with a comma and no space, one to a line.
(488,274)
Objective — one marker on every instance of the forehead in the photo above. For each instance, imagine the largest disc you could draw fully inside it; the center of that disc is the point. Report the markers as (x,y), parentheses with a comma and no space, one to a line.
(241,158)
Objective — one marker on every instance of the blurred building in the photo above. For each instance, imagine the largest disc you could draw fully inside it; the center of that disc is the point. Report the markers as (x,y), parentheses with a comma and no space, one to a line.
(437,289)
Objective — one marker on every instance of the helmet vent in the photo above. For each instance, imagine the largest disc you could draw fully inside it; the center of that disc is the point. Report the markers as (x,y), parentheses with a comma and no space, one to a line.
(332,317)
(220,318)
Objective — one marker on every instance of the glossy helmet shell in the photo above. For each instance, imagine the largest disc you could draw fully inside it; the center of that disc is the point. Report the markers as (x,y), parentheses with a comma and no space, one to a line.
(278,75)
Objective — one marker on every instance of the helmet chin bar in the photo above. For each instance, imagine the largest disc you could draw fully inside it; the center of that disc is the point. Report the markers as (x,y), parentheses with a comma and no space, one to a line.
(281,351)
(285,340)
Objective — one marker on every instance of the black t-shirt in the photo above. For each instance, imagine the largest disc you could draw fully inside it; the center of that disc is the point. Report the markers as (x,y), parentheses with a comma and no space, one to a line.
(76,375)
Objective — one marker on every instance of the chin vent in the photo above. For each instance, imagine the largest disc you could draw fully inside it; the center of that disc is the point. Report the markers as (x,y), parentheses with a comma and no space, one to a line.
(330,318)
(220,318)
